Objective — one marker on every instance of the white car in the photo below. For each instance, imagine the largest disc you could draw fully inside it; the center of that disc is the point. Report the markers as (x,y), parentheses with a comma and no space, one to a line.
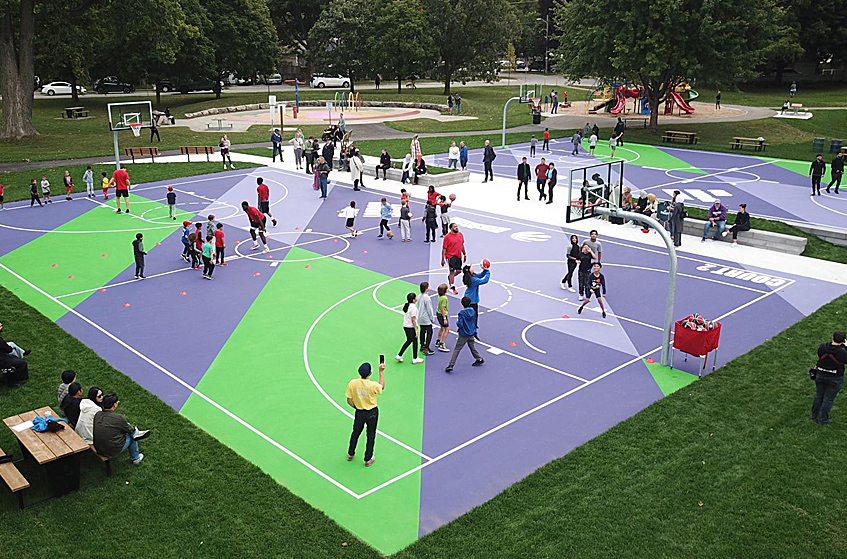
(60,88)
(274,79)
(329,80)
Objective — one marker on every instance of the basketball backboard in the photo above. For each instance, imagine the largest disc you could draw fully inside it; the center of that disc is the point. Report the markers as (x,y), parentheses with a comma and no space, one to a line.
(592,186)
(530,91)
(123,115)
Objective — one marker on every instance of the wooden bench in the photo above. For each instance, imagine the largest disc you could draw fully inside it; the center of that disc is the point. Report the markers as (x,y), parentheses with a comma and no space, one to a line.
(107,461)
(755,143)
(14,479)
(684,137)
(643,121)
(141,152)
(197,150)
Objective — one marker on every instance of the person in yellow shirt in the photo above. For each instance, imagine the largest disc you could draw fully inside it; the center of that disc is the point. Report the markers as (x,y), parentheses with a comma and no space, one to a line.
(104,182)
(361,395)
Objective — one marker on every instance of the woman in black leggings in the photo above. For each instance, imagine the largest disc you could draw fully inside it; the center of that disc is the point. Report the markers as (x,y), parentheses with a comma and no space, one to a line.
(410,327)
(573,260)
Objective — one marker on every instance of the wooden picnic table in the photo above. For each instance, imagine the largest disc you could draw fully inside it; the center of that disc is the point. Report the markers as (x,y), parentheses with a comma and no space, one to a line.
(643,120)
(75,112)
(685,137)
(58,452)
(738,142)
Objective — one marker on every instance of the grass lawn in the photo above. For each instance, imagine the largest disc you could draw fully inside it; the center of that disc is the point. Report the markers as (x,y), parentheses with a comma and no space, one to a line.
(769,95)
(16,185)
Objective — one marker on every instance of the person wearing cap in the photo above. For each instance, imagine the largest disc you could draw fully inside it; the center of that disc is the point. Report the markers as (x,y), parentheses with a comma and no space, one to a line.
(716,219)
(361,396)
(171,203)
(186,244)
(276,143)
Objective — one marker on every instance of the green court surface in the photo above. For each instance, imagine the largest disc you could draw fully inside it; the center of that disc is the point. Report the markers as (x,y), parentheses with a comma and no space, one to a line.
(276,397)
(669,380)
(799,167)
(642,155)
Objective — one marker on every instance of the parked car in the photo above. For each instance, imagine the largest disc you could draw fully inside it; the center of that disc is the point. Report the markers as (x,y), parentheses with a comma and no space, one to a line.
(274,79)
(329,80)
(537,65)
(60,88)
(110,84)
(187,86)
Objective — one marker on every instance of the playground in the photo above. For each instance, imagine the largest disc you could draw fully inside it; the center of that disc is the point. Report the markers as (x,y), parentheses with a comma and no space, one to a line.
(319,303)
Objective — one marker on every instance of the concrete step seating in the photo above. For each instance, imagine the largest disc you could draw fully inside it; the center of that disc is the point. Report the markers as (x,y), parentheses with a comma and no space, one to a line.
(756,238)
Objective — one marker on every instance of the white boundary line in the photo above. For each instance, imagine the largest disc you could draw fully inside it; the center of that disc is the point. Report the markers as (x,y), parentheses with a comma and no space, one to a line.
(528,326)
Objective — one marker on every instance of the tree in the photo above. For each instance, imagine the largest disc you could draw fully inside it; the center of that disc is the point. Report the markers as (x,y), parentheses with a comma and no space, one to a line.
(717,41)
(340,38)
(397,44)
(293,20)
(470,36)
(17,75)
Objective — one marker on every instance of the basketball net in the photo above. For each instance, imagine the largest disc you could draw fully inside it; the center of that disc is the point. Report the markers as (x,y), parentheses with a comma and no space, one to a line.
(136,129)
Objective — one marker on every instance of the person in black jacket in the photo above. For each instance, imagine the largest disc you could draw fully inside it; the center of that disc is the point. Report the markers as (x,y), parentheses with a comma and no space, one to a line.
(742,223)
(328,152)
(836,171)
(595,130)
(829,378)
(620,128)
(430,220)
(552,179)
(384,164)
(11,358)
(70,403)
(523,178)
(420,169)
(138,252)
(816,171)
(573,261)
(488,157)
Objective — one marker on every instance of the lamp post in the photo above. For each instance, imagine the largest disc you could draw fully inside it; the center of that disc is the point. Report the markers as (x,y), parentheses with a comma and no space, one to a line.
(546,19)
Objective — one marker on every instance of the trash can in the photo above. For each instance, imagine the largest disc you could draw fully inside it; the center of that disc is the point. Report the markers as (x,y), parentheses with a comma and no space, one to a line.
(817,144)
(835,145)
(536,117)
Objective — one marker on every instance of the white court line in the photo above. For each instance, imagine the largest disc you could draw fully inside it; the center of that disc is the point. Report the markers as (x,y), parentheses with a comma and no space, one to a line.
(528,326)
(708,175)
(182,383)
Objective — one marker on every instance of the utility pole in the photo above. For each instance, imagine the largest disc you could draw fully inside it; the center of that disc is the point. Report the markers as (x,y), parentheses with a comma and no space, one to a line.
(546,41)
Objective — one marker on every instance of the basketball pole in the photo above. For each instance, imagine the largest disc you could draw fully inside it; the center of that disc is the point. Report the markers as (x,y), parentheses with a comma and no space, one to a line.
(669,303)
(505,108)
(117,153)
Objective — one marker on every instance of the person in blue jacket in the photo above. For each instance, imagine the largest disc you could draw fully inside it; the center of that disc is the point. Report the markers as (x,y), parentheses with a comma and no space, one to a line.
(467,332)
(186,244)
(463,155)
(472,282)
(276,143)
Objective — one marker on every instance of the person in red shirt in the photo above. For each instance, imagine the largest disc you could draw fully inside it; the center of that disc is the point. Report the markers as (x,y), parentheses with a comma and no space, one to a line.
(541,178)
(69,185)
(120,181)
(219,245)
(198,242)
(2,207)
(257,222)
(432,196)
(546,144)
(264,199)
(453,252)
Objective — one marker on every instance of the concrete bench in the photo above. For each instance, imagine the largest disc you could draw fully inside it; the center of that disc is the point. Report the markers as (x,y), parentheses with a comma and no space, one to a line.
(754,237)
(13,479)
(437,180)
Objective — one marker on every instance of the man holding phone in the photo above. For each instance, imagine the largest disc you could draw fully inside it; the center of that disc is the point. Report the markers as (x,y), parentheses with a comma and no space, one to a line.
(361,395)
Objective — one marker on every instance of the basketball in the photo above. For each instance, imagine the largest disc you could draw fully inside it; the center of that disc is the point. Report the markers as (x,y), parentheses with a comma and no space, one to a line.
(452,197)
(485,263)
(390,235)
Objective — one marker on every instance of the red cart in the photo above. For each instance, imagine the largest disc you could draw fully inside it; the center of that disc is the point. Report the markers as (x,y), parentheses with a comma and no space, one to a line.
(696,343)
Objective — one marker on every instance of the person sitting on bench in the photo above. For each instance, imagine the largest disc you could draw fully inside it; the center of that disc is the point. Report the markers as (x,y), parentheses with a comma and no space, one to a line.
(113,434)
(420,169)
(742,223)
(12,363)
(384,164)
(70,404)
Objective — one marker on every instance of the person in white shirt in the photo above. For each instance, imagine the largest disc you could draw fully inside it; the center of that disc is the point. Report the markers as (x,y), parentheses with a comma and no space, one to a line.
(299,144)
(410,327)
(357,167)
(426,318)
(88,179)
(453,156)
(350,212)
(88,408)
(592,143)
(407,169)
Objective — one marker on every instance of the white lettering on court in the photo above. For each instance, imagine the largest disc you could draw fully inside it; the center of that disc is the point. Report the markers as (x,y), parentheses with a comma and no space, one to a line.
(740,274)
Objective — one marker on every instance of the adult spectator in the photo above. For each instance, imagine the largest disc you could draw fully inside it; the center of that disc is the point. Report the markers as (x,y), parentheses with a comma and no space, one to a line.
(554,102)
(458,101)
(816,171)
(453,156)
(71,402)
(16,369)
(299,146)
(576,140)
(154,130)
(595,245)
(356,170)
(88,408)
(718,99)
(276,144)
(541,178)
(449,103)
(620,128)
(407,168)
(361,396)
(415,148)
(586,130)
(328,152)
(552,179)
(377,80)
(626,199)
(488,157)
(463,155)
(523,178)
(836,171)
(742,223)
(716,218)
(323,175)
(68,377)
(829,376)
(113,434)
(793,89)
(595,130)
(677,209)
(384,165)
(309,154)
(453,253)
(420,169)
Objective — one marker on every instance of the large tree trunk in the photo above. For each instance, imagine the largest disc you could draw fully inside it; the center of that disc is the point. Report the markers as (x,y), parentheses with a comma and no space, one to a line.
(448,77)
(16,73)
(74,91)
(158,96)
(399,85)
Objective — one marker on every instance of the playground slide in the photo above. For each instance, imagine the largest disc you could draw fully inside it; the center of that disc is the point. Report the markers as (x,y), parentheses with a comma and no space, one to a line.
(619,106)
(604,104)
(685,107)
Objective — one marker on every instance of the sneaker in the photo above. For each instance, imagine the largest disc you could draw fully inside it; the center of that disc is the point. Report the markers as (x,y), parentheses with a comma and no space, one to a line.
(140,434)
(266,249)
(223,264)
(453,290)
(448,369)
(142,277)
(428,352)
(138,460)
(579,310)
(27,352)
(579,298)
(126,210)
(725,232)
(442,347)
(604,314)
(119,211)
(379,236)
(349,458)
(564,287)
(273,221)
(478,362)
(417,361)
(136,277)
(370,462)
(572,290)
(255,246)
(398,358)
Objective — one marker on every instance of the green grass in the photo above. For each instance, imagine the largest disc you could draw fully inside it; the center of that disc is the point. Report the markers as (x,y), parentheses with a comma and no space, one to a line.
(769,95)
(16,184)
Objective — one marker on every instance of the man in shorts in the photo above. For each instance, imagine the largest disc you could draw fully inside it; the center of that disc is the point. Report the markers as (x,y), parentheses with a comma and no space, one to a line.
(264,197)
(257,222)
(120,182)
(453,252)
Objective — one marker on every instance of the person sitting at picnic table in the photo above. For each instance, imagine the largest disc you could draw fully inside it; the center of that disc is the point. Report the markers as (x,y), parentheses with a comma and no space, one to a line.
(420,169)
(113,434)
(88,408)
(716,218)
(742,223)
(71,403)
(169,116)
(12,359)
(785,106)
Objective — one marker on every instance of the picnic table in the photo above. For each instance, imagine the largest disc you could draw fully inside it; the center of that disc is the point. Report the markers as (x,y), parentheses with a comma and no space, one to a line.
(642,120)
(75,112)
(757,144)
(221,124)
(58,452)
(676,135)
(163,118)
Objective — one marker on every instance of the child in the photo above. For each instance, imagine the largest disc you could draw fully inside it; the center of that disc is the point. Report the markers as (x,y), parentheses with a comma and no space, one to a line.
(219,244)
(186,244)
(442,314)
(88,179)
(69,185)
(532,143)
(592,143)
(350,213)
(68,377)
(406,222)
(192,250)
(404,196)
(138,252)
(596,283)
(210,226)
(2,207)
(45,189)
(33,193)
(467,331)
(104,184)
(384,213)
(208,249)
(613,143)
(171,202)
(445,218)
(198,241)
(546,137)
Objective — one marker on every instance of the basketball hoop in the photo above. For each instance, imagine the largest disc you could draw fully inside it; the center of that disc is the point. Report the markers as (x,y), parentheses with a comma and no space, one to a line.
(136,129)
